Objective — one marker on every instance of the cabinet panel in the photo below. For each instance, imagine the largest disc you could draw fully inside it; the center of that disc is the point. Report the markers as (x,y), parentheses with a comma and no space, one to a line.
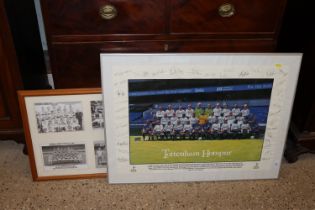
(81,17)
(236,45)
(202,16)
(9,111)
(77,65)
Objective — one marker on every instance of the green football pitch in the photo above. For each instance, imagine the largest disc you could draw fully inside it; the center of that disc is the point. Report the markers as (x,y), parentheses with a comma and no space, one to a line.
(194,151)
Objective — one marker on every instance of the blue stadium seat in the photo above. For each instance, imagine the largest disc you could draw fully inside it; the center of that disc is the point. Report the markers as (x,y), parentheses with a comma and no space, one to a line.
(258,107)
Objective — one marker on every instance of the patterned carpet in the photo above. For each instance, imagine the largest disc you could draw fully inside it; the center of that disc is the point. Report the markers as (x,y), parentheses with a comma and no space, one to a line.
(295,189)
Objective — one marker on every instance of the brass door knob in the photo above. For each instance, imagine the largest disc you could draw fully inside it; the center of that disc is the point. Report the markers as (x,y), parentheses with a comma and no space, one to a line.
(226,10)
(108,12)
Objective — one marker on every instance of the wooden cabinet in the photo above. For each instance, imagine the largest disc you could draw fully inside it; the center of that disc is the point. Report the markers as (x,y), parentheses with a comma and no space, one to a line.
(78,32)
(10,82)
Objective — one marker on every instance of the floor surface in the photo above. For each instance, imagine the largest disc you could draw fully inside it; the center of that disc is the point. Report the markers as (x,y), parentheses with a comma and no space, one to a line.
(295,189)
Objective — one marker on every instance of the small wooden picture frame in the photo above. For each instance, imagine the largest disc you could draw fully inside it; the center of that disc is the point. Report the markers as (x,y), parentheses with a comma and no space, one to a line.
(64,133)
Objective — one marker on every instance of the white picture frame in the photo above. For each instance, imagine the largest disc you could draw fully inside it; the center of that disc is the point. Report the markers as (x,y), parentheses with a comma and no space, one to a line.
(134,83)
(64,133)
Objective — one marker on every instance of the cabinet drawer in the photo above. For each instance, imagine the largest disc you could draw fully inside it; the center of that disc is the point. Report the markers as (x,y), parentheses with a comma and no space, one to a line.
(82,17)
(202,16)
(77,65)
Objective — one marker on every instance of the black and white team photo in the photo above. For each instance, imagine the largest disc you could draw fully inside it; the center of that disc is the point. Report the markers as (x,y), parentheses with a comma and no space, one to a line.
(64,155)
(59,117)
(100,154)
(97,114)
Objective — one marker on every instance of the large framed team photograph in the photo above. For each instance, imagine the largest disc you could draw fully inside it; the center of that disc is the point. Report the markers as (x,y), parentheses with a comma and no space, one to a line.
(197,117)
(64,132)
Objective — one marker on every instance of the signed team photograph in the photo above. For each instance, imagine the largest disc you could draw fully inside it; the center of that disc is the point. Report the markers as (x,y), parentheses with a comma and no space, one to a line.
(197,120)
(196,117)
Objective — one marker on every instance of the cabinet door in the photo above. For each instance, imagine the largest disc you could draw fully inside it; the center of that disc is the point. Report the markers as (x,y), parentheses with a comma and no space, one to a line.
(10,80)
(247,17)
(82,17)
(9,109)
